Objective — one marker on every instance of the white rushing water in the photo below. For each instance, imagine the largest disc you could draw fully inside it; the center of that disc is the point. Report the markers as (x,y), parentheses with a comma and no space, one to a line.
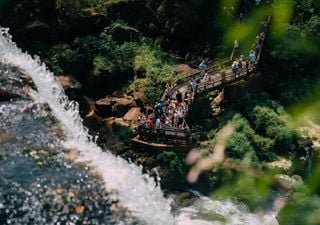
(206,211)
(136,191)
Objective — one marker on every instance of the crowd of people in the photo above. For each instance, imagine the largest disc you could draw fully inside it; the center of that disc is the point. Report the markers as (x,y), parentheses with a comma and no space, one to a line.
(244,66)
(171,112)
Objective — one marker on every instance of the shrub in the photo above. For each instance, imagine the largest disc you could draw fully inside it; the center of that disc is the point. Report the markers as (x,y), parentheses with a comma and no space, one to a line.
(238,146)
(274,126)
(173,162)
(264,117)
(262,145)
(158,69)
(282,136)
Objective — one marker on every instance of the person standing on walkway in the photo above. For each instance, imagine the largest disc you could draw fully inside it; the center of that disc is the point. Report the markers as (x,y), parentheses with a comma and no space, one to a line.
(202,67)
(206,77)
(191,86)
(244,67)
(235,67)
(252,60)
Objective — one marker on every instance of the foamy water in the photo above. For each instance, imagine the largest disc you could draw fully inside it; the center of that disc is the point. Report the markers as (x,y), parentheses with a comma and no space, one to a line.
(206,211)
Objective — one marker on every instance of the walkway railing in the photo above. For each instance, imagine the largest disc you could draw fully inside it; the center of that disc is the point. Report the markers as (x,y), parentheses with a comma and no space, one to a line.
(167,135)
(182,136)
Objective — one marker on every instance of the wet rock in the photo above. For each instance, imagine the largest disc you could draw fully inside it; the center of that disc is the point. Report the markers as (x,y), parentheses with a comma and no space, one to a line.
(66,81)
(284,164)
(40,156)
(6,95)
(108,123)
(104,107)
(114,106)
(122,105)
(72,155)
(93,121)
(57,130)
(184,199)
(288,182)
(115,145)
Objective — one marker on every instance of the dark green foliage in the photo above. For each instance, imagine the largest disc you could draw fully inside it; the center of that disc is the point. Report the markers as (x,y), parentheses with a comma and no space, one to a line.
(282,135)
(274,126)
(238,145)
(247,184)
(263,146)
(107,60)
(155,69)
(173,162)
(124,133)
(301,204)
(263,129)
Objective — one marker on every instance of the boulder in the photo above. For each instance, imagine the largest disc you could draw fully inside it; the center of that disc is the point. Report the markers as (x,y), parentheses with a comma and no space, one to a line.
(66,81)
(114,106)
(92,120)
(132,116)
(288,182)
(121,106)
(140,99)
(120,122)
(103,107)
(108,123)
(284,164)
(126,101)
(184,68)
(88,106)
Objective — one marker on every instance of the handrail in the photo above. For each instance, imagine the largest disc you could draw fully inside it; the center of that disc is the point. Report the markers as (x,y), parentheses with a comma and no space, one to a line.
(228,79)
(165,133)
(210,68)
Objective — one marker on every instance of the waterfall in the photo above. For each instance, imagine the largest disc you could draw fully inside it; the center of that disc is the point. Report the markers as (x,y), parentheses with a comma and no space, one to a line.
(136,191)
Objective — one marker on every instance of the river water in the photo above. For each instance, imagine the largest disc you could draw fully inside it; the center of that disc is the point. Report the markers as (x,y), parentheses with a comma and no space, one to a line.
(39,185)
